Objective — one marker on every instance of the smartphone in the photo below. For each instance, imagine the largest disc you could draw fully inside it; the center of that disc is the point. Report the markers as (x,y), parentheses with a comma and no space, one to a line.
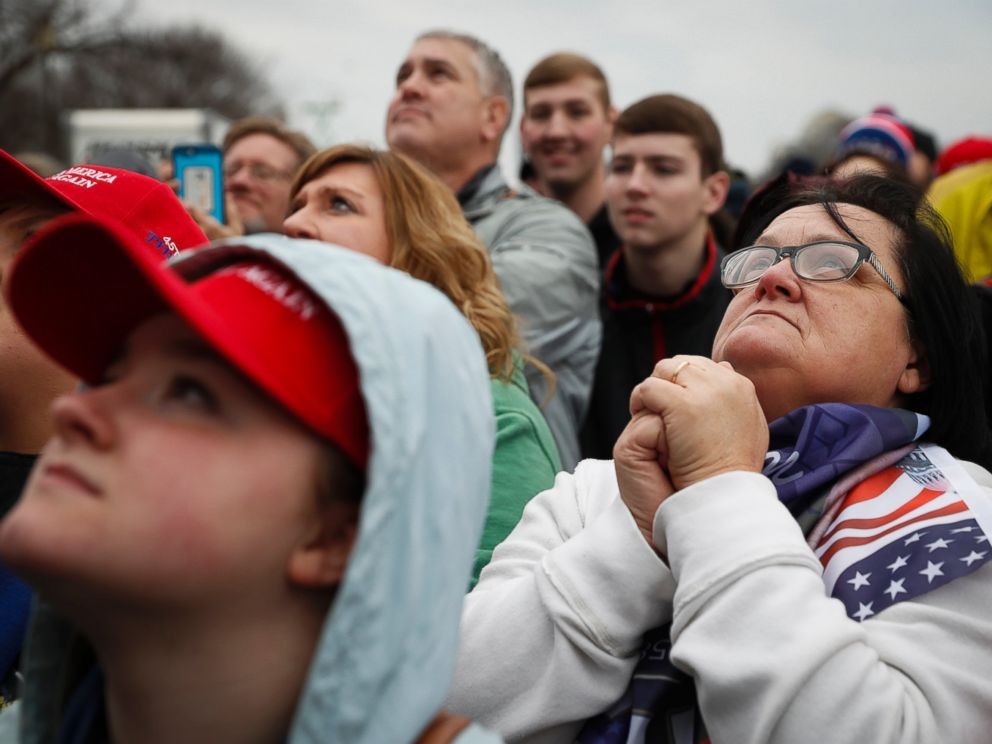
(200,170)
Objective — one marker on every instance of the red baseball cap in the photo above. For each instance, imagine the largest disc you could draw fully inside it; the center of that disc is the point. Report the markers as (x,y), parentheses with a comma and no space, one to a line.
(973,149)
(81,286)
(145,206)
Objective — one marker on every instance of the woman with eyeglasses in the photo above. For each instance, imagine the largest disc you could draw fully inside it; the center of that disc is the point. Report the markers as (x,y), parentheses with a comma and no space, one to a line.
(792,543)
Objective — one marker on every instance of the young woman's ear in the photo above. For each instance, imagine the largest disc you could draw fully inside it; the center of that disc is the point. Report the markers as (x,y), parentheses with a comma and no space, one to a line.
(319,562)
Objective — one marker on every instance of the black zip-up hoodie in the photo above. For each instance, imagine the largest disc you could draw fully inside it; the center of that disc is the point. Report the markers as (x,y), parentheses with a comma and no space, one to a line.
(638,331)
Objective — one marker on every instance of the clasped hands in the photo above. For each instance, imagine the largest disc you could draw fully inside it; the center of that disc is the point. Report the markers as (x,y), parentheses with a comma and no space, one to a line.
(692,419)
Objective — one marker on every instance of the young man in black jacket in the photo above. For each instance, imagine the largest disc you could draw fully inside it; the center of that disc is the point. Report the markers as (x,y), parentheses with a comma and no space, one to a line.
(661,293)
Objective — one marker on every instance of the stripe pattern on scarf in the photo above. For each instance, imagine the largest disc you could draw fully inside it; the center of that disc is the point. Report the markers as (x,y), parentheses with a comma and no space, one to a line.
(904,531)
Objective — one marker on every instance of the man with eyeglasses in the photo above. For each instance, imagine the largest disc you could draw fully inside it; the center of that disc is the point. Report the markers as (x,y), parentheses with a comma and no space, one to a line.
(261,156)
(661,290)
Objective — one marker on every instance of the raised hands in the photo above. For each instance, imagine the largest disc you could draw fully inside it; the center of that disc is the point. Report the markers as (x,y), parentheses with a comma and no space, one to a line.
(692,419)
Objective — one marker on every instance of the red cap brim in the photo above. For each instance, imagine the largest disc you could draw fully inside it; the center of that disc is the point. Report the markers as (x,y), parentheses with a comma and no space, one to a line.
(62,268)
(81,286)
(18,182)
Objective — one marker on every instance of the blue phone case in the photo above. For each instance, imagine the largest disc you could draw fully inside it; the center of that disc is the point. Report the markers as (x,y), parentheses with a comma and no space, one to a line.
(200,170)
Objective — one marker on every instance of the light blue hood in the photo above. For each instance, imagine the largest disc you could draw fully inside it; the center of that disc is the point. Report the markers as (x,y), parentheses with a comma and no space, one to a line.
(388,648)
(387,651)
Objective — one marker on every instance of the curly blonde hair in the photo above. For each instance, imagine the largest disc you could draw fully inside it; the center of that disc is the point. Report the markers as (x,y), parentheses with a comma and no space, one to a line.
(430,239)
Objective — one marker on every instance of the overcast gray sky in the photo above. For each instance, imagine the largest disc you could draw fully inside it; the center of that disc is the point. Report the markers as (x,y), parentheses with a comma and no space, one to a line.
(762,67)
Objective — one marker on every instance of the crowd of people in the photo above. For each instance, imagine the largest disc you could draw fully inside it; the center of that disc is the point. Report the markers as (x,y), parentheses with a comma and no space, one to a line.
(636,452)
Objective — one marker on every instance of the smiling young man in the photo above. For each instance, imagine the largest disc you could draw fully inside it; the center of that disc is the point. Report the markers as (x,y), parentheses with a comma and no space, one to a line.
(452,104)
(566,124)
(662,294)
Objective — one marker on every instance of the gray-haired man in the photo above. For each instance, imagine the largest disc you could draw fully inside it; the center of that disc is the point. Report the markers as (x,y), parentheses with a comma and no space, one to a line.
(452,104)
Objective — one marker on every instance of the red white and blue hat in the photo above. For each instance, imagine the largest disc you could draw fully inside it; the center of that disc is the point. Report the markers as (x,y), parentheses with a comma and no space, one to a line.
(879,134)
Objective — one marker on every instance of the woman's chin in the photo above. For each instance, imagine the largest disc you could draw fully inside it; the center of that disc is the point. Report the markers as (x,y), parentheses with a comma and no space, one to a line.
(774,374)
(37,541)
(751,352)
(22,550)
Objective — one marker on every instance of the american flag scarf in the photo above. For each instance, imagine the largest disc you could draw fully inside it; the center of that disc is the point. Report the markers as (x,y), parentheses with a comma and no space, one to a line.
(889,518)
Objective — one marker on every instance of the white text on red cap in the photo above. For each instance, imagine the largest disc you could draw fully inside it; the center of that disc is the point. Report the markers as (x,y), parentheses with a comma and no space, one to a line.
(286,293)
(87,177)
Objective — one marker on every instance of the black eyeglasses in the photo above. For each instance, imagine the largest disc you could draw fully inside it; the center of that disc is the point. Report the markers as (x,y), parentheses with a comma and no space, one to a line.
(822,261)
(258,171)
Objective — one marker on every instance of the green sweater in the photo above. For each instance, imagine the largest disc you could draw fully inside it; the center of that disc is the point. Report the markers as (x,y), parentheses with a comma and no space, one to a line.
(524,463)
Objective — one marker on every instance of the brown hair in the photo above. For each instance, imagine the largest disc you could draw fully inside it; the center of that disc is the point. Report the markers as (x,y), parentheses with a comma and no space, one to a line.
(430,239)
(671,114)
(297,141)
(563,67)
(338,478)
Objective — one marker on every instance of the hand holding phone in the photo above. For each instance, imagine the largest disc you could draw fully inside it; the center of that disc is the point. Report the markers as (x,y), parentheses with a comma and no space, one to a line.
(200,171)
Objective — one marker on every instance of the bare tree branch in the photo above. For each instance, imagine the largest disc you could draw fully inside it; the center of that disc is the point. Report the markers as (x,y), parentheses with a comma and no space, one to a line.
(57,55)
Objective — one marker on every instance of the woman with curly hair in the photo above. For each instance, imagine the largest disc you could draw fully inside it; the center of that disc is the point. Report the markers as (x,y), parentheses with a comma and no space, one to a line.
(387,206)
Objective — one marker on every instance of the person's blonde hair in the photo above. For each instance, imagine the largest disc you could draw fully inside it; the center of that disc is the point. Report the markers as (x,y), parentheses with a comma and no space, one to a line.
(430,239)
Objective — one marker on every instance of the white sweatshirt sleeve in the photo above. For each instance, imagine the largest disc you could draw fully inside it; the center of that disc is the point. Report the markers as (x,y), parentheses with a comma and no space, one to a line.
(551,632)
(776,660)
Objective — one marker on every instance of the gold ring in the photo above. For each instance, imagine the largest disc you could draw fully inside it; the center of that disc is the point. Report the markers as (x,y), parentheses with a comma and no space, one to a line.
(678,369)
